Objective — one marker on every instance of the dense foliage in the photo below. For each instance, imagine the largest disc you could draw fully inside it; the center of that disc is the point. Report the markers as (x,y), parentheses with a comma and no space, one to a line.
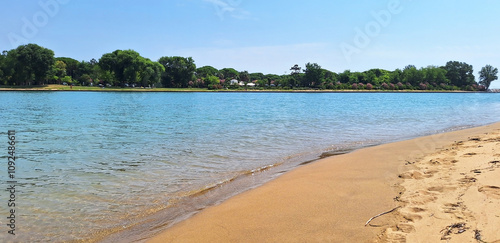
(34,65)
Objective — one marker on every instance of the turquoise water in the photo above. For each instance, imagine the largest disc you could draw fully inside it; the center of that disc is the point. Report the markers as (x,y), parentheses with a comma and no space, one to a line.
(91,162)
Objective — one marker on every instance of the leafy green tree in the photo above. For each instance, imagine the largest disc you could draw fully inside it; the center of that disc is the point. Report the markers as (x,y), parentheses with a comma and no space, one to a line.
(244,76)
(412,76)
(229,73)
(29,63)
(213,82)
(262,82)
(125,65)
(131,63)
(360,77)
(435,76)
(108,63)
(205,71)
(71,66)
(83,68)
(460,74)
(85,80)
(371,78)
(178,71)
(330,76)
(344,77)
(256,76)
(67,80)
(313,75)
(57,71)
(90,68)
(487,75)
(396,76)
(271,78)
(150,75)
(353,77)
(3,74)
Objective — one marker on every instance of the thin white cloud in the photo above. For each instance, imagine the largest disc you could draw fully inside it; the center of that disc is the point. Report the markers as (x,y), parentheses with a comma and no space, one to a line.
(229,8)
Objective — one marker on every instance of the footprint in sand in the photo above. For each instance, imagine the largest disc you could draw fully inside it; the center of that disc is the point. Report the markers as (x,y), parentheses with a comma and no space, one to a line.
(441,188)
(405,228)
(416,210)
(412,217)
(415,175)
(452,207)
(490,191)
(393,235)
(467,155)
(467,180)
(422,197)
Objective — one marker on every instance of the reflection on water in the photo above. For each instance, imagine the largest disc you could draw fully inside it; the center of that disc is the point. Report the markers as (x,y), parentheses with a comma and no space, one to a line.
(97,161)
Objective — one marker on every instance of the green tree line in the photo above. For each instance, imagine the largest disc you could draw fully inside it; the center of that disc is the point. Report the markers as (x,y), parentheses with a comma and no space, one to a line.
(35,65)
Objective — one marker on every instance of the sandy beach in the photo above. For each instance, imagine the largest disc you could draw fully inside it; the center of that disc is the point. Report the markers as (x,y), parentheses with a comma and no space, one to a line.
(443,187)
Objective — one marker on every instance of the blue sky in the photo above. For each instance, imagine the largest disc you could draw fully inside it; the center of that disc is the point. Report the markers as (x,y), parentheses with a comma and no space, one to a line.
(264,36)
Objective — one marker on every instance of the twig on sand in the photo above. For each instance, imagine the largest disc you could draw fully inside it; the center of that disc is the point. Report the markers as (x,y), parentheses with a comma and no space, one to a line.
(477,235)
(378,215)
(457,228)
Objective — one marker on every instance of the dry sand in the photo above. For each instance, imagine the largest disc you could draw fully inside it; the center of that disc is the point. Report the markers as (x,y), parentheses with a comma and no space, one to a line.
(452,195)
(439,181)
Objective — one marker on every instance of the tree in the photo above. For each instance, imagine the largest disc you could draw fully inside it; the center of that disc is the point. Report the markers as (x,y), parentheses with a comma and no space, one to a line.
(205,71)
(178,71)
(3,78)
(396,76)
(58,71)
(229,73)
(244,76)
(412,76)
(295,69)
(124,65)
(487,75)
(460,74)
(150,75)
(71,66)
(213,82)
(256,76)
(92,69)
(294,78)
(67,80)
(85,79)
(30,63)
(344,77)
(313,72)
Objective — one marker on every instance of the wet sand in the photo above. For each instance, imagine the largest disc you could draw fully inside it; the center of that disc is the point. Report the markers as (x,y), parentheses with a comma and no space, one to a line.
(331,200)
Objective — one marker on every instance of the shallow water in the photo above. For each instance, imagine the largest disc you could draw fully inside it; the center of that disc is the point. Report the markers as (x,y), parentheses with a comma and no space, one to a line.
(92,161)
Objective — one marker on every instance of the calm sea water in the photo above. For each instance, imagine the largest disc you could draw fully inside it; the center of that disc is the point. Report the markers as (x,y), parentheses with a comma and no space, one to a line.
(90,162)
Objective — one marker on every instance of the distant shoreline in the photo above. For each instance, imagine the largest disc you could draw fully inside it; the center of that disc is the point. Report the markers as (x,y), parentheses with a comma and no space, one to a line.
(197,90)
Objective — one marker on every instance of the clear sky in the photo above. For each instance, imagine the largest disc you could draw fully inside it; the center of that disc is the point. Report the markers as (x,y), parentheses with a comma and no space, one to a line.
(264,36)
